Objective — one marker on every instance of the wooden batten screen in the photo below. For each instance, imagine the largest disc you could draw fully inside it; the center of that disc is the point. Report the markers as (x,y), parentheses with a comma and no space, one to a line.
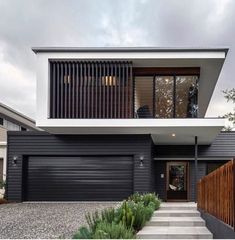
(83,89)
(216,193)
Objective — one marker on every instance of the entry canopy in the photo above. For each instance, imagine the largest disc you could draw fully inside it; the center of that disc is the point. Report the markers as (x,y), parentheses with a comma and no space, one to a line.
(162,131)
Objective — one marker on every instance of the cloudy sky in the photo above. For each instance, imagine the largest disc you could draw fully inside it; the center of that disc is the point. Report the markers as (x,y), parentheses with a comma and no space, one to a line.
(78,23)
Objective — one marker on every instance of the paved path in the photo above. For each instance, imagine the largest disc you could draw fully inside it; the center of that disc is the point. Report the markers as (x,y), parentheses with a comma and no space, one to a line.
(45,220)
(176,221)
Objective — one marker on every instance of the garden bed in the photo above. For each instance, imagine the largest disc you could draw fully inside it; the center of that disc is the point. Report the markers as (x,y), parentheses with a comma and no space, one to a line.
(122,222)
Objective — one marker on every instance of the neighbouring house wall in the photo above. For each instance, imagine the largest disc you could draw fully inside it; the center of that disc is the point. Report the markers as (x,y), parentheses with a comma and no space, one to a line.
(24,144)
(3,149)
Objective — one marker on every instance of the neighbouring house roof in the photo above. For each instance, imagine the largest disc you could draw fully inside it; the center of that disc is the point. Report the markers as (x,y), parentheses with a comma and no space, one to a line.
(17,117)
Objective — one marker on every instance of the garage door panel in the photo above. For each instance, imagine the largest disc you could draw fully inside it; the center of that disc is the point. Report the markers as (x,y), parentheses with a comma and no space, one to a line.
(79,178)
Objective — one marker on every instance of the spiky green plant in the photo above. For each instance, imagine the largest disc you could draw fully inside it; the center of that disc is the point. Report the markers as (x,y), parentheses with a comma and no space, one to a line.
(83,233)
(113,230)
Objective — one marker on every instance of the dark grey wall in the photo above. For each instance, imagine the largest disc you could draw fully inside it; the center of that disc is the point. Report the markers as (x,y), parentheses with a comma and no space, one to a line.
(219,229)
(222,146)
(147,178)
(24,144)
(160,183)
(202,169)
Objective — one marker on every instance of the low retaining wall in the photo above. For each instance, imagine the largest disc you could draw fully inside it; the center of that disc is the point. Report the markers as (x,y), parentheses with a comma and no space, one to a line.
(219,229)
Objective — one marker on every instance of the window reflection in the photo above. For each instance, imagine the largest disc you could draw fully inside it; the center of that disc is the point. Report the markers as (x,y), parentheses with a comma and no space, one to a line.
(186,97)
(164,104)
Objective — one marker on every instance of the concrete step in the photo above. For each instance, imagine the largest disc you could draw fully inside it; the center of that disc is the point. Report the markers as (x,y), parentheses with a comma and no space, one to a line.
(154,232)
(176,221)
(176,213)
(178,206)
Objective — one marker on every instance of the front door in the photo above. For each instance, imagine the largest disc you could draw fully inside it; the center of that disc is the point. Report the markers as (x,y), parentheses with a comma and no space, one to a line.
(177,181)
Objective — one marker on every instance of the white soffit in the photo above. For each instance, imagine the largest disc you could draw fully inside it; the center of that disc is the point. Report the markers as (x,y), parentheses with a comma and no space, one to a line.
(161,130)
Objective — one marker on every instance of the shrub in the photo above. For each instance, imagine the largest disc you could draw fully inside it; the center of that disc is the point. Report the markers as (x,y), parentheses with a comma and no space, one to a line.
(151,197)
(146,199)
(83,233)
(134,215)
(136,197)
(125,214)
(112,230)
(139,211)
(122,222)
(92,220)
(108,215)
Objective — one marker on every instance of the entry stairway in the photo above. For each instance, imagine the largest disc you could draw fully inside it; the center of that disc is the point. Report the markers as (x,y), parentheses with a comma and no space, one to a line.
(176,221)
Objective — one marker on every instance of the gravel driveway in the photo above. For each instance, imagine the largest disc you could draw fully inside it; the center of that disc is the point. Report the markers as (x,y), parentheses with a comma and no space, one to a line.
(45,220)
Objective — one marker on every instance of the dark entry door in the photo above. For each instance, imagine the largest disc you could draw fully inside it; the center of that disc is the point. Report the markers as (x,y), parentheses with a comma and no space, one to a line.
(177,181)
(79,178)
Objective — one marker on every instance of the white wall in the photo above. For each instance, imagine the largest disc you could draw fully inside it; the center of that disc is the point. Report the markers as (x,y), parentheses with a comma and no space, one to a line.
(209,62)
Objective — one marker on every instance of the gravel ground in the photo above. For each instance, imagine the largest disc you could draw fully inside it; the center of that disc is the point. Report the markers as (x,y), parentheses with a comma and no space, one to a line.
(45,220)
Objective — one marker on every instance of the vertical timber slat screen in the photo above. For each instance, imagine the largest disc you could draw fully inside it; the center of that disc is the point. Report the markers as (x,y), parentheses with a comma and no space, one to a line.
(216,193)
(91,89)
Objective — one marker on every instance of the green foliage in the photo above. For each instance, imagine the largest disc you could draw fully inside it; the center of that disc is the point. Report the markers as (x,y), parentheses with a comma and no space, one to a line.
(125,215)
(122,222)
(2,184)
(112,230)
(136,197)
(83,233)
(135,214)
(146,199)
(108,215)
(230,96)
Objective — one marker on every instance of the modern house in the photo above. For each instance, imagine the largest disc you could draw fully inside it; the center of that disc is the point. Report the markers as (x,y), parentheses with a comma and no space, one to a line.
(118,121)
(11,120)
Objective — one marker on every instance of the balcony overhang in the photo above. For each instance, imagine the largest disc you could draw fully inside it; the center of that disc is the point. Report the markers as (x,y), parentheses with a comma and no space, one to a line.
(209,60)
(163,131)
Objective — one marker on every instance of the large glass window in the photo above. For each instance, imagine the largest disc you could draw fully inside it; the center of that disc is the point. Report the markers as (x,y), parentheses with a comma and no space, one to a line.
(186,96)
(176,96)
(164,96)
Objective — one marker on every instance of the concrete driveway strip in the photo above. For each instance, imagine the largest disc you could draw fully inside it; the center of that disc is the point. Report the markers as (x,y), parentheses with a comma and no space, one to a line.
(45,220)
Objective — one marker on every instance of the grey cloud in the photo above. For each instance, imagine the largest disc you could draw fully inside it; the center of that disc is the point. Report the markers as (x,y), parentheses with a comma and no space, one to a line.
(160,23)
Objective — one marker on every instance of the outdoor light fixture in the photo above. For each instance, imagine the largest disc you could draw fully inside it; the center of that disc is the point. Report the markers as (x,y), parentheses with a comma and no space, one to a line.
(173,134)
(14,161)
(141,161)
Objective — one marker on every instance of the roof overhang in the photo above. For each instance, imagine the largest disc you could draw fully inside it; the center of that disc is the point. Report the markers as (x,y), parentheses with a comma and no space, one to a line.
(209,60)
(161,130)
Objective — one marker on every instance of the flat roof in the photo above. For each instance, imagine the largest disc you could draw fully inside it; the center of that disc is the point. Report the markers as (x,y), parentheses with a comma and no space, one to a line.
(129,49)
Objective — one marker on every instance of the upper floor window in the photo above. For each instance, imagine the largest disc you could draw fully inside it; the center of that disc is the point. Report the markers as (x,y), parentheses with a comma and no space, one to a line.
(166,96)
(107,89)
(176,96)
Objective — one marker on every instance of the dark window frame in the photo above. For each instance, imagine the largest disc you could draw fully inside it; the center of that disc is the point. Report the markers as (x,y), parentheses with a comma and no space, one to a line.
(160,72)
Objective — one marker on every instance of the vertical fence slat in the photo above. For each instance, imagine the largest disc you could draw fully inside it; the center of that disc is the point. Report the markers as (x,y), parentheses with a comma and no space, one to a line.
(216,193)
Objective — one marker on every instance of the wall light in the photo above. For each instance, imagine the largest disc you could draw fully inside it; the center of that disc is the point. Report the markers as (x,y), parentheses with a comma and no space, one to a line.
(14,161)
(173,135)
(141,161)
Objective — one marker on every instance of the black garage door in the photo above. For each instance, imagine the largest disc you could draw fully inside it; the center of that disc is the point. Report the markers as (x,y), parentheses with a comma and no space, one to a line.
(79,178)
